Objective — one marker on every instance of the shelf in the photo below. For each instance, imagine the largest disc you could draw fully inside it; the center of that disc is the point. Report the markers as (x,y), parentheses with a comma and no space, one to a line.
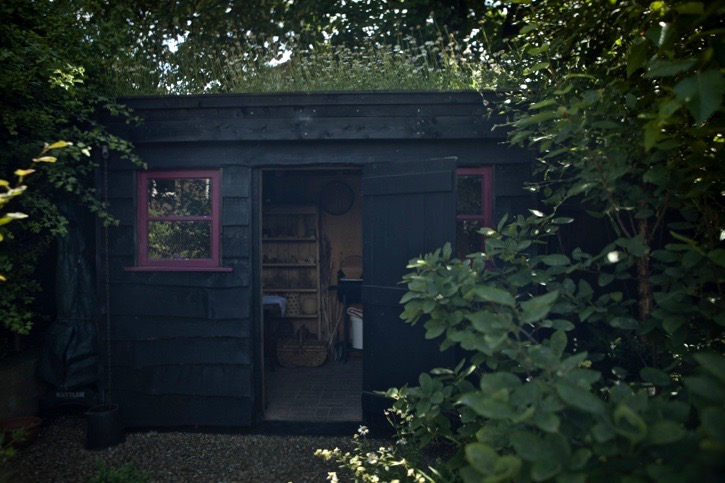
(300,290)
(290,237)
(289,264)
(287,239)
(298,316)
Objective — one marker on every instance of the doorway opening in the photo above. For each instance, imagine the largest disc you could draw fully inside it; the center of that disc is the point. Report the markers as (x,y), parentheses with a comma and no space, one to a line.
(310,281)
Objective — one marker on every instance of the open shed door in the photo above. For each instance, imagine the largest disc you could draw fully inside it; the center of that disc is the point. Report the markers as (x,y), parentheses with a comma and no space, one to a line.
(408,210)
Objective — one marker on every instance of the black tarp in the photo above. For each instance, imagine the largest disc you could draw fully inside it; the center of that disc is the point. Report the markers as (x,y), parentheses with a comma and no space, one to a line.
(70,359)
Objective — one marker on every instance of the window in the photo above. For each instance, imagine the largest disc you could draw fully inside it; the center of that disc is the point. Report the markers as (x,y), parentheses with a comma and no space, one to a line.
(473,208)
(178,222)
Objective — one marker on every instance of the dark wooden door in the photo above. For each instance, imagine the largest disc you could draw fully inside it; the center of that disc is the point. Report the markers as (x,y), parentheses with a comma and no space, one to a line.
(408,210)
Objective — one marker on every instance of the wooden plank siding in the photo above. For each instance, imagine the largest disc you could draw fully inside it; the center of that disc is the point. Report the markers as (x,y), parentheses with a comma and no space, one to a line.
(182,343)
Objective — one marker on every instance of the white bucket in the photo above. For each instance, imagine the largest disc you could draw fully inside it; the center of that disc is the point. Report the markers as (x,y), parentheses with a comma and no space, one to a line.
(357,331)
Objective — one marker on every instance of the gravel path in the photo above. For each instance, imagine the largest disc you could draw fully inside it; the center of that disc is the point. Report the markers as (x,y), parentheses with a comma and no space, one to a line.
(58,455)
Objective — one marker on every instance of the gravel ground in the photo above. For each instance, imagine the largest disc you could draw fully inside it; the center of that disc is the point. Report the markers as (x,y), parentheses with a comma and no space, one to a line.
(58,455)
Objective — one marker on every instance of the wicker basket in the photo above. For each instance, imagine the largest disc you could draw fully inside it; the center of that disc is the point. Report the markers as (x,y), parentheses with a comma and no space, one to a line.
(301,353)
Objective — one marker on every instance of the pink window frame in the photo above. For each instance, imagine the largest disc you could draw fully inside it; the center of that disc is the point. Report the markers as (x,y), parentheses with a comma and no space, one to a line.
(486,175)
(143,219)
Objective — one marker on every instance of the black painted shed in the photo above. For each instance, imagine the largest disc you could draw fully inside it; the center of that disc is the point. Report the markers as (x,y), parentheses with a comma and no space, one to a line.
(249,200)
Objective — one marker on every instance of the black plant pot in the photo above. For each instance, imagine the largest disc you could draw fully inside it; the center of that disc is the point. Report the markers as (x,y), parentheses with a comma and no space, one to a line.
(105,427)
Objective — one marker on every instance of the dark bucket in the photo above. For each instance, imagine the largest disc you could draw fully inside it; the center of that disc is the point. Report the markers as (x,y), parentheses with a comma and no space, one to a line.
(105,427)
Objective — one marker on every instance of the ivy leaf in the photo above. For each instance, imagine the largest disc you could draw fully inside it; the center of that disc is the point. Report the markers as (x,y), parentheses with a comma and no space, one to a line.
(702,93)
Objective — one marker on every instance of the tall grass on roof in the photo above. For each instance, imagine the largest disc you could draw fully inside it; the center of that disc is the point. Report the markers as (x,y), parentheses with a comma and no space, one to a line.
(253,65)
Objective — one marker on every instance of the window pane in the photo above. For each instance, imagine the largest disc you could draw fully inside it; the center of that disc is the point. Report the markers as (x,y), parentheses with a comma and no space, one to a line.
(179,197)
(469,196)
(179,240)
(468,240)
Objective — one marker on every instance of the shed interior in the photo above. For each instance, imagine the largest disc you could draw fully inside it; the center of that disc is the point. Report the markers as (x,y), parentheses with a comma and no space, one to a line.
(310,277)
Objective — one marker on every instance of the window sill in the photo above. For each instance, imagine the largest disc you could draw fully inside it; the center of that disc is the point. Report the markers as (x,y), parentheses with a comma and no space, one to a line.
(177,269)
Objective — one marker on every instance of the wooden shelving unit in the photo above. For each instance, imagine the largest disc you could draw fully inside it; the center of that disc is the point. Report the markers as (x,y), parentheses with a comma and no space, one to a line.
(290,261)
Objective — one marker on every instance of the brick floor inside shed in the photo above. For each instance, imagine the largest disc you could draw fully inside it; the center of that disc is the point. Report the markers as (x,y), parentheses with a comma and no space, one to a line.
(329,393)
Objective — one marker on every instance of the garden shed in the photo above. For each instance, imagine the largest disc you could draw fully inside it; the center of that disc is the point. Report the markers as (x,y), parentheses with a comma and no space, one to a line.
(273,221)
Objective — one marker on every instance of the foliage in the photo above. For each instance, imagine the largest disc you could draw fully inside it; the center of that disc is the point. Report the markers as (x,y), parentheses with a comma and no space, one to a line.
(128,473)
(14,191)
(49,88)
(370,464)
(588,357)
(17,322)
(8,442)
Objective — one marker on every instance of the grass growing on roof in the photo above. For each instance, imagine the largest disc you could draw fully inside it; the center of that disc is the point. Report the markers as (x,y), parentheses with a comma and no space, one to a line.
(252,65)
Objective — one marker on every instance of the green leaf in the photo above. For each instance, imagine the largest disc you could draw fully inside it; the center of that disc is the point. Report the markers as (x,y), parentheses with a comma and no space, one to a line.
(579,398)
(579,459)
(713,423)
(629,424)
(702,93)
(544,103)
(548,422)
(712,363)
(481,457)
(538,307)
(558,342)
(491,294)
(691,8)
(536,67)
(717,256)
(555,260)
(605,279)
(434,328)
(666,68)
(536,118)
(487,407)
(529,446)
(426,382)
(545,470)
(665,432)
(706,387)
(636,56)
(625,323)
(655,376)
